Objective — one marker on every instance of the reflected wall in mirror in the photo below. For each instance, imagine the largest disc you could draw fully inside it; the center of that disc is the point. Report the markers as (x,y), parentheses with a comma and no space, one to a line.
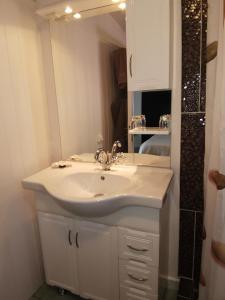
(84,55)
(89,57)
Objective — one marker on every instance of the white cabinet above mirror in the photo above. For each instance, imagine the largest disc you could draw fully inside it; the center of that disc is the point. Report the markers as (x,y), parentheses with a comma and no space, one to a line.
(148,44)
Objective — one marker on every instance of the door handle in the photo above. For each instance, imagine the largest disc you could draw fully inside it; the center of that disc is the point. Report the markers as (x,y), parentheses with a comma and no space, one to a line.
(77,243)
(69,237)
(130,65)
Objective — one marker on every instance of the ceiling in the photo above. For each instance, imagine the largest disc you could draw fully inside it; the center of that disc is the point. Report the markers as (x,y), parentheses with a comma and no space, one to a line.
(120,18)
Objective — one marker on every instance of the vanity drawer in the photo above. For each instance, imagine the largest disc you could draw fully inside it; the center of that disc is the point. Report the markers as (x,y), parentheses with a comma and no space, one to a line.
(140,245)
(145,279)
(130,293)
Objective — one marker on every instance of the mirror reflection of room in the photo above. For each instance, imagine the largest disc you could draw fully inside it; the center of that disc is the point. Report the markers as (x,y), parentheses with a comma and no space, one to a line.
(91,84)
(155,106)
(91,67)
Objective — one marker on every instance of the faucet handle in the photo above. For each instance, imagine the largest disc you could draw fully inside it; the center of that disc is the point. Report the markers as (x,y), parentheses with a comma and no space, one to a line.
(97,154)
(119,144)
(101,156)
(119,156)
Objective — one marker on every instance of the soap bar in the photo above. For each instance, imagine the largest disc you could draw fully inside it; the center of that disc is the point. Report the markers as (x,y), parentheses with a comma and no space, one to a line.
(61,165)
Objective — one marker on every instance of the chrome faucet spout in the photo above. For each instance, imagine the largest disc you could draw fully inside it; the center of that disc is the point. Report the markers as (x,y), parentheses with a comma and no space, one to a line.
(116,145)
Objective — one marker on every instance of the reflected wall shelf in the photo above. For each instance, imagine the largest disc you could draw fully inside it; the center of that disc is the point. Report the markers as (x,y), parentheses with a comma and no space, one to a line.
(150,131)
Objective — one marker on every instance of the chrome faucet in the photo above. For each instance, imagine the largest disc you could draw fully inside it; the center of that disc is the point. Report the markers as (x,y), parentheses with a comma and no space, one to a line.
(107,159)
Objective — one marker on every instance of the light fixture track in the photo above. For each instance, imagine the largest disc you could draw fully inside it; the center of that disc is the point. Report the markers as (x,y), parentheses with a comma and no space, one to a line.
(65,16)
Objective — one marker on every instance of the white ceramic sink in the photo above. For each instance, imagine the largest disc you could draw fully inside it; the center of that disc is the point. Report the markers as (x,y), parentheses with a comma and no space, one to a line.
(93,184)
(86,190)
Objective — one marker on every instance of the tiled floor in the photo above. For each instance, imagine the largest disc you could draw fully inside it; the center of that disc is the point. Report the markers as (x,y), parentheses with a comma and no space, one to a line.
(51,293)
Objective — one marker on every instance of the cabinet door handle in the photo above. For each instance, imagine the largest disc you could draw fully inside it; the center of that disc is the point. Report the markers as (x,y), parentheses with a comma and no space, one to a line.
(69,237)
(137,278)
(130,65)
(135,249)
(77,243)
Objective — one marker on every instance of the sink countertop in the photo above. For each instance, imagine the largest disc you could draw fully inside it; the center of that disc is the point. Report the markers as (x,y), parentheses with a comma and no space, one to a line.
(85,188)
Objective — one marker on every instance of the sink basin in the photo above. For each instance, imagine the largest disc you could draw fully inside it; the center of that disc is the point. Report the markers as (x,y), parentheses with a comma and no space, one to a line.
(87,190)
(89,185)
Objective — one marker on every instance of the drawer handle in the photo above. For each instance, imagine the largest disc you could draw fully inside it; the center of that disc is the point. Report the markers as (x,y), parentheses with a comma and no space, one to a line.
(135,249)
(136,278)
(130,65)
(77,242)
(69,237)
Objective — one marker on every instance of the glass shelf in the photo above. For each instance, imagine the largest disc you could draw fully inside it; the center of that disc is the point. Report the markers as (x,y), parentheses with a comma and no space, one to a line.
(150,131)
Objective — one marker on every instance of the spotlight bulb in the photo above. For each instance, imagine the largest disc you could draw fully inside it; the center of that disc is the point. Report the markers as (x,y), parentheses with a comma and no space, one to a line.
(68,10)
(77,16)
(122,5)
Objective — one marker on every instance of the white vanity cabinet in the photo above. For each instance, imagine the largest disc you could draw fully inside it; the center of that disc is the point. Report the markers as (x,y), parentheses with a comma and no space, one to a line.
(148,44)
(80,256)
(102,262)
(97,261)
(59,253)
(138,265)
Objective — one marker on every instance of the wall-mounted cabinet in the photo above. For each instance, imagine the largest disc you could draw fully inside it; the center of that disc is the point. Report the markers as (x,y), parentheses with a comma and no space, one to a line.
(148,44)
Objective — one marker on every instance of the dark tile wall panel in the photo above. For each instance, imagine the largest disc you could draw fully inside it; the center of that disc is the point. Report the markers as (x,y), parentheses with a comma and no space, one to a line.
(186,288)
(187,240)
(192,161)
(194,39)
(196,294)
(198,247)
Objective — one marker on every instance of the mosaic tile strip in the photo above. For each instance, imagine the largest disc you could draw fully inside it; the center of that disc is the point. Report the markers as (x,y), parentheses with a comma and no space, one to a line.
(203,55)
(194,41)
(191,54)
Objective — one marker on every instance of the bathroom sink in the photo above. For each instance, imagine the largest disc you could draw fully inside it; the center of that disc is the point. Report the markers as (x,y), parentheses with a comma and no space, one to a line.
(92,185)
(87,190)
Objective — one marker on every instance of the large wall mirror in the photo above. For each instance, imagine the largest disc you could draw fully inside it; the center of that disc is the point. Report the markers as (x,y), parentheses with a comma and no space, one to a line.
(94,107)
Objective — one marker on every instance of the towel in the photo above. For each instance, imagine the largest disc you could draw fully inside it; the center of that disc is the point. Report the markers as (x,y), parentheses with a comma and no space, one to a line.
(120,67)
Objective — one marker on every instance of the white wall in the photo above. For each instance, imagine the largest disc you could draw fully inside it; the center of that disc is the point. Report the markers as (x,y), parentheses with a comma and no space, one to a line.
(24,147)
(83,76)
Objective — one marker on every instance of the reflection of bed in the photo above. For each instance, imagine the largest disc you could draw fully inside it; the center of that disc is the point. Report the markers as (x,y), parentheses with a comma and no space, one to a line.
(156,145)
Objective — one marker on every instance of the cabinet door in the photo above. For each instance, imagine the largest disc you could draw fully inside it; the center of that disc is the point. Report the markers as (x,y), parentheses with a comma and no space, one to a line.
(59,251)
(98,261)
(148,44)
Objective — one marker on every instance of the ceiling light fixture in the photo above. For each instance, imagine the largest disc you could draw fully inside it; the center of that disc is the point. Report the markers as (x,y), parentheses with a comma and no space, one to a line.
(77,16)
(68,10)
(122,5)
